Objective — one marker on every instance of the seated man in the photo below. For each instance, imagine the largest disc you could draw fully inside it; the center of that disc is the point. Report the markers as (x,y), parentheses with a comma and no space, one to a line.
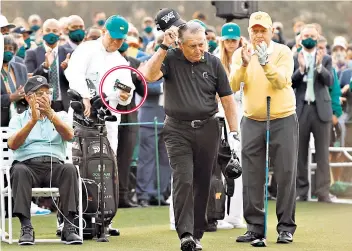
(38,138)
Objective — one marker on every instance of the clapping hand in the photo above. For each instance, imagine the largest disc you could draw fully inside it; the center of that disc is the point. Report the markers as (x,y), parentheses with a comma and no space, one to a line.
(34,108)
(262,53)
(44,106)
(246,55)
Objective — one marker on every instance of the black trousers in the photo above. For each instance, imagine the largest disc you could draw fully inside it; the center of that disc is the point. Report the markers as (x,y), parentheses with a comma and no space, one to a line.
(309,121)
(26,175)
(191,153)
(283,157)
(126,143)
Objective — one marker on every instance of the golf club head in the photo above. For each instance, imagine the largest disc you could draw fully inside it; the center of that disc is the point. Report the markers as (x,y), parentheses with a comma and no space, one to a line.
(110,118)
(260,243)
(74,95)
(77,107)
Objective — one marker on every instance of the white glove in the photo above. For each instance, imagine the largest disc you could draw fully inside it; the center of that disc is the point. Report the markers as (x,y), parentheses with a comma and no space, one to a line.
(261,51)
(234,142)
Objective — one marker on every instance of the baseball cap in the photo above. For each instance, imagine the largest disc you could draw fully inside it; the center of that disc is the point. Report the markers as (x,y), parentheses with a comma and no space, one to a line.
(34,83)
(166,18)
(5,23)
(339,44)
(117,27)
(230,31)
(260,18)
(21,30)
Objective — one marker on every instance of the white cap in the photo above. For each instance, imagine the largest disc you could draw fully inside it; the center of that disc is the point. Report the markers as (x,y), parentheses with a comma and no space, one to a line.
(340,42)
(5,23)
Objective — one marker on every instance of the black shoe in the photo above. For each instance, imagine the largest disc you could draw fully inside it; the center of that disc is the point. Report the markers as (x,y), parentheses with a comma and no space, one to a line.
(155,202)
(127,204)
(284,237)
(26,236)
(69,235)
(301,198)
(188,243)
(113,231)
(249,237)
(143,203)
(212,226)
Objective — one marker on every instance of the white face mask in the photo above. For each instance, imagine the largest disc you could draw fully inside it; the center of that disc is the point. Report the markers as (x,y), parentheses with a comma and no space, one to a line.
(339,56)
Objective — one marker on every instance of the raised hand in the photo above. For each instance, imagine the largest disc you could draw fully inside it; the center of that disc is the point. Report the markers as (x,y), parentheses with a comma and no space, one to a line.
(170,36)
(246,55)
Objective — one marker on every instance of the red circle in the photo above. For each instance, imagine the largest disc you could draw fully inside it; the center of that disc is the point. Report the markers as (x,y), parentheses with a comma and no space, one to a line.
(117,68)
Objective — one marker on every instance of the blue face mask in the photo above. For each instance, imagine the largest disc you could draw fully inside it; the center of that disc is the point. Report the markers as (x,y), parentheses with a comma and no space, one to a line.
(123,47)
(21,52)
(76,35)
(8,55)
(51,38)
(212,45)
(101,22)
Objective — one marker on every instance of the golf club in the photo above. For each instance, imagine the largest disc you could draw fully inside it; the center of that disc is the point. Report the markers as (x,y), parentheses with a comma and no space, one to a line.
(262,242)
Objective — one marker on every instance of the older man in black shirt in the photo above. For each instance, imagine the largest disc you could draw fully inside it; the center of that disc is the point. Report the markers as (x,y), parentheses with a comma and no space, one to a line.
(192,78)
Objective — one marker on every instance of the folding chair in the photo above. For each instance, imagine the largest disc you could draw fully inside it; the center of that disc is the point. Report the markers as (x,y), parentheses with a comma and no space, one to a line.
(7,159)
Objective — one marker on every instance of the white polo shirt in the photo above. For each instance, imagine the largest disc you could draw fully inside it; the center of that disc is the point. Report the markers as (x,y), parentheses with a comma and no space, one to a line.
(91,61)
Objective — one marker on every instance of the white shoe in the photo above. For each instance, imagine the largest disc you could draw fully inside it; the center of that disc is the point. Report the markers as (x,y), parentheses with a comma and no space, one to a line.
(198,245)
(239,225)
(224,225)
(172,226)
(36,210)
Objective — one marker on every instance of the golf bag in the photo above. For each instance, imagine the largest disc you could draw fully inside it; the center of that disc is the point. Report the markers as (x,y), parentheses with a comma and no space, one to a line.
(86,154)
(218,188)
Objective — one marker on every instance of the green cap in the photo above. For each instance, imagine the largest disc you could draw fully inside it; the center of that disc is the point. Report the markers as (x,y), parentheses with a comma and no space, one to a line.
(230,31)
(117,27)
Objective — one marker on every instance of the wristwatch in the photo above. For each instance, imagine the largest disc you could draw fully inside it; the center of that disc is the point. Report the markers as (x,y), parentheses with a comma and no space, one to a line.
(164,47)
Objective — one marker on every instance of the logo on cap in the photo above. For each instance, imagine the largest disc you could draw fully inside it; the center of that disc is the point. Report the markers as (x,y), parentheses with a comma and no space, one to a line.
(258,17)
(40,79)
(230,29)
(168,16)
(122,28)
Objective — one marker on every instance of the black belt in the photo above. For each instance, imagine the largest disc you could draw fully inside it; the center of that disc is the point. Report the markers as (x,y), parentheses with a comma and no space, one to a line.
(309,102)
(193,123)
(44,159)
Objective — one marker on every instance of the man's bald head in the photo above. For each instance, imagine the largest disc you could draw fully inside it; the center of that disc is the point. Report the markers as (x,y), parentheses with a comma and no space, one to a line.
(75,20)
(51,26)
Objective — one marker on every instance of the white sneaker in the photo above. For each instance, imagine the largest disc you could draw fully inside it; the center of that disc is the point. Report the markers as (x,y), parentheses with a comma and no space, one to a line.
(172,226)
(224,225)
(36,210)
(198,245)
(239,225)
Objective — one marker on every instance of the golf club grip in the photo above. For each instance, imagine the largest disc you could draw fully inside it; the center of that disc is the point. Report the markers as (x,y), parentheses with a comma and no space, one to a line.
(268,99)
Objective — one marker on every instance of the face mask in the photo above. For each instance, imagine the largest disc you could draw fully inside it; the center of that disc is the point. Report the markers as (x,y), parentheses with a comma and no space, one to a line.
(8,55)
(35,28)
(101,22)
(212,45)
(148,29)
(51,38)
(340,56)
(21,52)
(309,43)
(123,47)
(299,49)
(76,35)
(28,43)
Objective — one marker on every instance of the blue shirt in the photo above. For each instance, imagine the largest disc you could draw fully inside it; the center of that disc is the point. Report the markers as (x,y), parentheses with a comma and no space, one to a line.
(43,140)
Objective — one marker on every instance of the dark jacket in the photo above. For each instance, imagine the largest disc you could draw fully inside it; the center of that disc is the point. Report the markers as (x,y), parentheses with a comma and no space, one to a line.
(20,72)
(34,60)
(322,82)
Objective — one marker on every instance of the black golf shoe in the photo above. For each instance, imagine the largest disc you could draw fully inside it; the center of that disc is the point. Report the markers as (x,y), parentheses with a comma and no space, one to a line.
(27,236)
(249,236)
(188,243)
(69,235)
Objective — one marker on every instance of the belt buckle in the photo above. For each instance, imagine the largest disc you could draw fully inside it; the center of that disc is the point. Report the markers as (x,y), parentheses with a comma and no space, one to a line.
(194,125)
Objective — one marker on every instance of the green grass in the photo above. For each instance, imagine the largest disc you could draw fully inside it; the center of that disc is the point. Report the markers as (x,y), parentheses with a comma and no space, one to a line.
(320,227)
